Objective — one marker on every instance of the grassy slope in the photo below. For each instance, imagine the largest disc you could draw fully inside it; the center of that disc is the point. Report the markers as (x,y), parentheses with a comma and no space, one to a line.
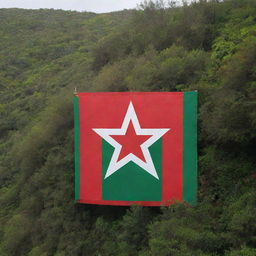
(46,53)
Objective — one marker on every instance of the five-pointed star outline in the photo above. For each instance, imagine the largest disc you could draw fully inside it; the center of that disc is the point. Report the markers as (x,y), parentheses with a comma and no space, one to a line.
(155,133)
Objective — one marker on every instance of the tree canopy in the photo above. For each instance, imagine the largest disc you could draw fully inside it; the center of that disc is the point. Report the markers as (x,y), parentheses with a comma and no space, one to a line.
(209,46)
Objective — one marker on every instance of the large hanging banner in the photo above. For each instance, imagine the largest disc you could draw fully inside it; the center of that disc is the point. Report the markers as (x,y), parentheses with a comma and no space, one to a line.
(136,148)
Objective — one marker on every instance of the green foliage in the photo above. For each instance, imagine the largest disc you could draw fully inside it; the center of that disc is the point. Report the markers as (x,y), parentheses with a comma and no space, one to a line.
(191,27)
(174,68)
(237,96)
(209,46)
(133,230)
(243,252)
(185,231)
(17,235)
(241,227)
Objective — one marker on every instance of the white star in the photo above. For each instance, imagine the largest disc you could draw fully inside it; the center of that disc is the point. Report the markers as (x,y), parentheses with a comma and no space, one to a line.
(114,164)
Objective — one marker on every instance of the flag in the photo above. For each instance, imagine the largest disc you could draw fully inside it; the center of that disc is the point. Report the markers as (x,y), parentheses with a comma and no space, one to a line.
(135,148)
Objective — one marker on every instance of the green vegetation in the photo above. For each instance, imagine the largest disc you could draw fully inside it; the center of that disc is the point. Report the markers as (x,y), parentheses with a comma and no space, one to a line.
(209,46)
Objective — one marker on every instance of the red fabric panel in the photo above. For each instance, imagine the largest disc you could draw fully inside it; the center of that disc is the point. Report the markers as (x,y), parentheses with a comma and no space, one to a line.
(107,110)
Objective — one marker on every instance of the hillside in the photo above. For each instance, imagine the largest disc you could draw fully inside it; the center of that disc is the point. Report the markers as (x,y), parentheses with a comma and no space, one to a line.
(209,46)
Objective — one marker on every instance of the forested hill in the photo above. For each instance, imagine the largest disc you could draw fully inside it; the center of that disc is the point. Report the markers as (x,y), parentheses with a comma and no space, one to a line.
(209,46)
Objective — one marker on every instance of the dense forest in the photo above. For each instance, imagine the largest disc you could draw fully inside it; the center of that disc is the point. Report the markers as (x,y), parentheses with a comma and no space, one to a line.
(209,46)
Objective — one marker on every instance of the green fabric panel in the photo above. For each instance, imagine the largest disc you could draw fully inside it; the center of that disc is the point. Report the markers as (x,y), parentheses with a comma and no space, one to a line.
(77,147)
(190,147)
(131,182)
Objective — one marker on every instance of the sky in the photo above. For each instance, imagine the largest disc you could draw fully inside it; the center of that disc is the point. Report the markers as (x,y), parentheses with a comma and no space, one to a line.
(98,6)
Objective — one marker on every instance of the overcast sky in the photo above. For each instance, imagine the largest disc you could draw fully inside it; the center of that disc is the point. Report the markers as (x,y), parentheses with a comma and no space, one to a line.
(98,6)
